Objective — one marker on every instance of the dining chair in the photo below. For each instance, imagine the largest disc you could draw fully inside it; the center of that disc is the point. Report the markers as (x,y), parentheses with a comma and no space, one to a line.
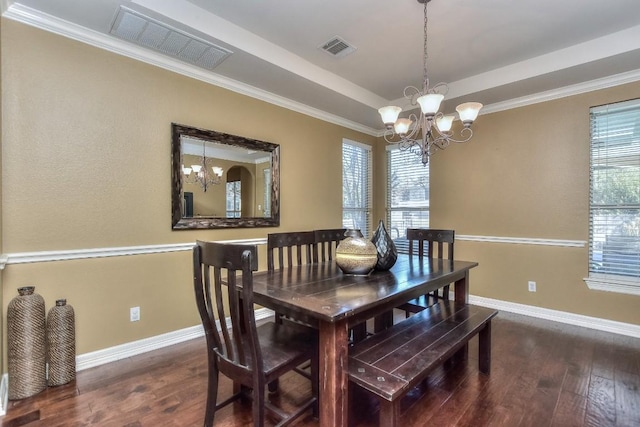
(326,243)
(429,243)
(289,249)
(250,355)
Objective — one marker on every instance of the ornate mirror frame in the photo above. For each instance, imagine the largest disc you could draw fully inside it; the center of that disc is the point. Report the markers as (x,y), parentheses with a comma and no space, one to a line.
(178,222)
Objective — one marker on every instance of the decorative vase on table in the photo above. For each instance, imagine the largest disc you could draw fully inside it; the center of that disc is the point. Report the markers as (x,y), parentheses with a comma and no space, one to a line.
(26,347)
(61,343)
(386,249)
(355,254)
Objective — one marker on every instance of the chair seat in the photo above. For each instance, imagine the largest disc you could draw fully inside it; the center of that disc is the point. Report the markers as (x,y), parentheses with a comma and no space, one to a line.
(283,344)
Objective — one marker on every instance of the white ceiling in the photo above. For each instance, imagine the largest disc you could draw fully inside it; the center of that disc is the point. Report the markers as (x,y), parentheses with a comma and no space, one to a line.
(498,52)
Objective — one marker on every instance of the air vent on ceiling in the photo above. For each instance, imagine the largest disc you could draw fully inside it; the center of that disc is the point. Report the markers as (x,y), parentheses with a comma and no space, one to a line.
(337,47)
(137,28)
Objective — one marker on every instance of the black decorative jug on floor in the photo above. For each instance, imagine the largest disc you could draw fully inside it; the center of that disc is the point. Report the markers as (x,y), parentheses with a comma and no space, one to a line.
(387,252)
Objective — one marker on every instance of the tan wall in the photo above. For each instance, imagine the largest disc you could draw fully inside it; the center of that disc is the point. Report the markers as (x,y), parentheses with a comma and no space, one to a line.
(93,129)
(526,174)
(86,147)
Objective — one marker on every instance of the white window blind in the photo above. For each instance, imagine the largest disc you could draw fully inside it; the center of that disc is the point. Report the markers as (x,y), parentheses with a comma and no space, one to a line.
(407,195)
(356,186)
(614,227)
(234,199)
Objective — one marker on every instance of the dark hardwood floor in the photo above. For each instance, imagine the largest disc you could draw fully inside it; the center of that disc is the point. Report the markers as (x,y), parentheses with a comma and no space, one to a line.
(543,374)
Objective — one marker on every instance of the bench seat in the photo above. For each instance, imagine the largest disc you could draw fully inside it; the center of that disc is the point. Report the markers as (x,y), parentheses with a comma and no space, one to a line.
(391,363)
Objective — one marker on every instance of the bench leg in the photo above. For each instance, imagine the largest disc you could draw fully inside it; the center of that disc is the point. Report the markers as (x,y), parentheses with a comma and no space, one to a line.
(389,413)
(484,344)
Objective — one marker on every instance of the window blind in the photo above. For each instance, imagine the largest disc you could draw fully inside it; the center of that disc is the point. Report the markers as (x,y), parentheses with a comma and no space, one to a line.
(356,186)
(614,226)
(407,195)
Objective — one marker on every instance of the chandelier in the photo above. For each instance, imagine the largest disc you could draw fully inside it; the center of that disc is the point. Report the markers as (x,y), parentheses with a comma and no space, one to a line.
(430,131)
(200,174)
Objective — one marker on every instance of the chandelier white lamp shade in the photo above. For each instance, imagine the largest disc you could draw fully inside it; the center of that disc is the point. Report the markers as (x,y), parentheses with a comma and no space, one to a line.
(204,174)
(430,130)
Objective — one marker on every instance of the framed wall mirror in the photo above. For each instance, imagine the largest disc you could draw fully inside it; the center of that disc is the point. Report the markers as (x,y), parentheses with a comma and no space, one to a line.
(223,181)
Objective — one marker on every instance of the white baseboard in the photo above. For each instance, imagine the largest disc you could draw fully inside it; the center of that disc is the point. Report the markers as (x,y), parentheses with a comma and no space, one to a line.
(112,354)
(100,357)
(620,328)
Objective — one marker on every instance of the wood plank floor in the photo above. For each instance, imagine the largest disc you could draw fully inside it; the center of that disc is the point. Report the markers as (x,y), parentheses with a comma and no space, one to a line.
(543,374)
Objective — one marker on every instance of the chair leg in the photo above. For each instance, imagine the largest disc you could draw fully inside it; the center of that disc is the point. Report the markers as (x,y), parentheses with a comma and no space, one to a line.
(278,318)
(258,404)
(212,395)
(359,332)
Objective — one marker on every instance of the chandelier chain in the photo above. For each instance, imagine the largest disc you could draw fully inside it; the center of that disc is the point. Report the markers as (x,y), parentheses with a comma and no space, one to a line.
(425,81)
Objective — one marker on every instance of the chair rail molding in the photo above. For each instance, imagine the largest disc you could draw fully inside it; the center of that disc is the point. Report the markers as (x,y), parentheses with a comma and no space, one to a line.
(65,255)
(523,241)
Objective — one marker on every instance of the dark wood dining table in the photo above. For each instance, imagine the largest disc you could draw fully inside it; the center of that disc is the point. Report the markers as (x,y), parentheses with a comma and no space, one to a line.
(333,302)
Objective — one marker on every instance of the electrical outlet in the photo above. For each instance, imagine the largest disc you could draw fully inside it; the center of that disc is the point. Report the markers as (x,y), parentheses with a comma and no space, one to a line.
(532,286)
(134,314)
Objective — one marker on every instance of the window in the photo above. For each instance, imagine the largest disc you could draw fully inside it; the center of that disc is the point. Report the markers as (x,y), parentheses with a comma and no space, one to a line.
(356,186)
(407,195)
(267,193)
(234,199)
(614,220)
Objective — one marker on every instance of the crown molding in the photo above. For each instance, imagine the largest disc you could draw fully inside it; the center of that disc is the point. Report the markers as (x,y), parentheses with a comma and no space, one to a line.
(43,21)
(563,92)
(46,22)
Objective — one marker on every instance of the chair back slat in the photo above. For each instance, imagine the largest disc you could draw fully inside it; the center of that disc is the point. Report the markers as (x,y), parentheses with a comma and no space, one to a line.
(326,243)
(289,249)
(433,239)
(216,268)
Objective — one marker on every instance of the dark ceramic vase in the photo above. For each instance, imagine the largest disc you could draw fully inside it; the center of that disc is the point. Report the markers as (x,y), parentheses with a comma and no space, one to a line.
(387,252)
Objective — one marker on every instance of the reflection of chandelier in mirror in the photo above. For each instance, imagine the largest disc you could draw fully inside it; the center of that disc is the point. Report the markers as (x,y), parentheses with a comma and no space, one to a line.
(201,174)
(424,138)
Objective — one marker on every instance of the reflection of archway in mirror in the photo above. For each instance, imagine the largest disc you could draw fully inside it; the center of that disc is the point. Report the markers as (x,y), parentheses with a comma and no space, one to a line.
(240,192)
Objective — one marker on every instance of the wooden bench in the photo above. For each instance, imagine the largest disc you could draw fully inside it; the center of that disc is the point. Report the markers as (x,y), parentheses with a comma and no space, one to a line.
(391,363)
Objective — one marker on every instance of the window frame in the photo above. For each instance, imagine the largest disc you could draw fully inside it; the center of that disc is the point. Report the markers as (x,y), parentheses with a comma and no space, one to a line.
(366,187)
(407,159)
(606,152)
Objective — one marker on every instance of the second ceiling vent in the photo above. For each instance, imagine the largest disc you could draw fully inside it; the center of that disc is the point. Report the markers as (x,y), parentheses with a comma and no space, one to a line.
(337,47)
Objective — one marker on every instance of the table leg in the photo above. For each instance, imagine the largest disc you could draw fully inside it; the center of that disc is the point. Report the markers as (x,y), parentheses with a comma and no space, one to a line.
(334,348)
(462,296)
(462,289)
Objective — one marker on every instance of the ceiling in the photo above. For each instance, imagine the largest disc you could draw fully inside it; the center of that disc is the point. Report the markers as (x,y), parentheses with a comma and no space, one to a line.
(502,53)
